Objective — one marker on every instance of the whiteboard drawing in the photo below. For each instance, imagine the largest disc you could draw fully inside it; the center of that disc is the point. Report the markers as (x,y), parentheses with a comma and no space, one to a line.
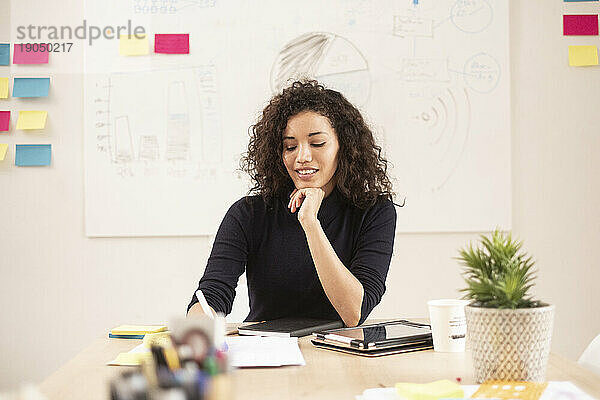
(168,7)
(472,16)
(131,140)
(482,73)
(163,132)
(329,58)
(410,26)
(441,124)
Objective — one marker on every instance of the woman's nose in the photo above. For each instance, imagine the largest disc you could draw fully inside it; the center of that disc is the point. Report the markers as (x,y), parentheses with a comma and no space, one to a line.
(304,154)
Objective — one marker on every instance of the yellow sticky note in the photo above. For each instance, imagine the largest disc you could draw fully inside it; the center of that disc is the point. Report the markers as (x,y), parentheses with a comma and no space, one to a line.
(3,88)
(132,45)
(580,56)
(137,329)
(32,119)
(3,149)
(130,359)
(430,391)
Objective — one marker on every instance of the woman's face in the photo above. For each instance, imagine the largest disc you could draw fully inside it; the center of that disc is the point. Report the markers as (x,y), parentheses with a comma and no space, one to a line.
(310,151)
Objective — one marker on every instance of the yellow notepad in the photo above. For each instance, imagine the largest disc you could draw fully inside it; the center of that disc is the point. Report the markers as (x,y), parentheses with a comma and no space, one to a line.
(429,391)
(137,329)
(130,359)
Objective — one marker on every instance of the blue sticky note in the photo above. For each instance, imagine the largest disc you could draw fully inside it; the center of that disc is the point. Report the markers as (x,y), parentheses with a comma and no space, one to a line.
(577,1)
(4,53)
(31,87)
(30,155)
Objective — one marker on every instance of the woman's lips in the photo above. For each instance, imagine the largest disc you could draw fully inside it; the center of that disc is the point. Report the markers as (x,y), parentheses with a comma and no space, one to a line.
(307,175)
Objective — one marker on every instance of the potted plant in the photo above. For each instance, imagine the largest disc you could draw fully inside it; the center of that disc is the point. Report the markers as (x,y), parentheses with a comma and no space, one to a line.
(508,332)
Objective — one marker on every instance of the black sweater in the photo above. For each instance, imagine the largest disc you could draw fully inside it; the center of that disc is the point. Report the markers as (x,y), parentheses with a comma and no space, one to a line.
(270,243)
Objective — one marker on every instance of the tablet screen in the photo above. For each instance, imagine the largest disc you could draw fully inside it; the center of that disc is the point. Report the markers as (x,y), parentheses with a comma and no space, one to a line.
(378,333)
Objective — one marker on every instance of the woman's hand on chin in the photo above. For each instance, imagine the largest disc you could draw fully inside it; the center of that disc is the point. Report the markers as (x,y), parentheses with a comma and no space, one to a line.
(307,201)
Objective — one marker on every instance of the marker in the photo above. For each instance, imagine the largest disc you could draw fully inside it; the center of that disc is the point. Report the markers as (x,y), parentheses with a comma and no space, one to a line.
(204,304)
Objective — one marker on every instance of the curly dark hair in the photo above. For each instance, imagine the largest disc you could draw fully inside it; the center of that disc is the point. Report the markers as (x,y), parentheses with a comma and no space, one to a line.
(361,175)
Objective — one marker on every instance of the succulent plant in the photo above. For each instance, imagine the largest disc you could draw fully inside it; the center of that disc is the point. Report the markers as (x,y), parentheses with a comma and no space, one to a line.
(497,273)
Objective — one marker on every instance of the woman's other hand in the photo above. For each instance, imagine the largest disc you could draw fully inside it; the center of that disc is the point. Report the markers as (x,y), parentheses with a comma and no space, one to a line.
(307,201)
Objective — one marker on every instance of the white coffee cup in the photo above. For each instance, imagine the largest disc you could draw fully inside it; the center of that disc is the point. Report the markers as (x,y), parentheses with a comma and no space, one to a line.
(448,324)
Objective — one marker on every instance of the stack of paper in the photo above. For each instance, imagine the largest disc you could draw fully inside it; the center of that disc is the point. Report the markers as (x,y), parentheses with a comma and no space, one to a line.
(257,351)
(554,391)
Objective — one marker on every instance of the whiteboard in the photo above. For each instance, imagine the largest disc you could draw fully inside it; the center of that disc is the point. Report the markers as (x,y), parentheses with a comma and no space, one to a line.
(164,133)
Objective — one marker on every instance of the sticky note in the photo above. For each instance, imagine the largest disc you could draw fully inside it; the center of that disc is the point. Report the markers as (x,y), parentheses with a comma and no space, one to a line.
(4,54)
(3,149)
(131,358)
(33,155)
(580,56)
(172,43)
(580,24)
(32,119)
(31,87)
(130,45)
(35,55)
(430,391)
(3,88)
(137,329)
(4,120)
(578,1)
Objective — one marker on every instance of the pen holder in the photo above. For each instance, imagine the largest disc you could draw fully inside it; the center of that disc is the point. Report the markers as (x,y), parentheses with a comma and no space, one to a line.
(185,365)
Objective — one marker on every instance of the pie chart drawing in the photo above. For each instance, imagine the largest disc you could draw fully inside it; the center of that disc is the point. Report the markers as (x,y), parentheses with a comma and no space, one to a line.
(331,59)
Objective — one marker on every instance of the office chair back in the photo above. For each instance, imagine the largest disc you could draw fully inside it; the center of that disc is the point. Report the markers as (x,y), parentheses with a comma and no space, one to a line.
(590,358)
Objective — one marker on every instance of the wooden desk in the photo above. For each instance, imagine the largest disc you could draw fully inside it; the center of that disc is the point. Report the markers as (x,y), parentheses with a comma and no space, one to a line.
(327,374)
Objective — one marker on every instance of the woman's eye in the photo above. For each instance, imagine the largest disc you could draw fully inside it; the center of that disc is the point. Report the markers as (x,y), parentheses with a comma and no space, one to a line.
(290,148)
(318,144)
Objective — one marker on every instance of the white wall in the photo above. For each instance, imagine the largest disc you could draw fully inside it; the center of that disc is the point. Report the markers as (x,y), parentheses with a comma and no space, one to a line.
(60,290)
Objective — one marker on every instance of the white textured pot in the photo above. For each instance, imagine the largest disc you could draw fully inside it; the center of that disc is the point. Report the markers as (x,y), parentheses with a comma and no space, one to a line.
(510,344)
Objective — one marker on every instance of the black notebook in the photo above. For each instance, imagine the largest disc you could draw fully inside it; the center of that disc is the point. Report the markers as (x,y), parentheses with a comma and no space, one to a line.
(289,327)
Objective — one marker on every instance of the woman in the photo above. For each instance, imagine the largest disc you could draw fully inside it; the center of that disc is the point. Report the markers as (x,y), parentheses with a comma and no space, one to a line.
(316,240)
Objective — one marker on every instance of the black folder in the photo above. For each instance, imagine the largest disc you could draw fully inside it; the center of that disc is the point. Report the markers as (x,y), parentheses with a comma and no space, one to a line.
(289,327)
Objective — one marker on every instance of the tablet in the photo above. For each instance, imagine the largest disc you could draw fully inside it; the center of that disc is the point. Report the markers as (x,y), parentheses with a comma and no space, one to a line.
(388,337)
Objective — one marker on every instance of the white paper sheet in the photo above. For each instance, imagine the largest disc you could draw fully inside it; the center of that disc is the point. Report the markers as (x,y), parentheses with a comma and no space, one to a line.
(556,390)
(257,351)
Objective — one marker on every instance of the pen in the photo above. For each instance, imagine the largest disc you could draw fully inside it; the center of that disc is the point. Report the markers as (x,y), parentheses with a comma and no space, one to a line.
(205,307)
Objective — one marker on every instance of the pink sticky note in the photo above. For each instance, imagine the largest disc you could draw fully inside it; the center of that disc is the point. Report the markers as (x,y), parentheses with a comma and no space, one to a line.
(580,24)
(172,43)
(4,120)
(22,56)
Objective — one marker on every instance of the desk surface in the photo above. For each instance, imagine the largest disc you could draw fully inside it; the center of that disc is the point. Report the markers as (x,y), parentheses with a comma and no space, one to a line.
(326,375)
